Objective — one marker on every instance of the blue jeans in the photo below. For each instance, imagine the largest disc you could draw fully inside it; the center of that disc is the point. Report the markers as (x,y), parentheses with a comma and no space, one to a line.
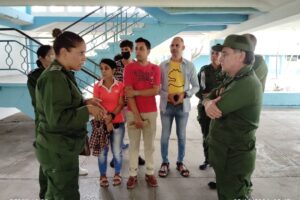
(167,118)
(115,139)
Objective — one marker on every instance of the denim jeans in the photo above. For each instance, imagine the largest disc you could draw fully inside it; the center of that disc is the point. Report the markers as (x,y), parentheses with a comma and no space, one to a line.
(167,118)
(115,139)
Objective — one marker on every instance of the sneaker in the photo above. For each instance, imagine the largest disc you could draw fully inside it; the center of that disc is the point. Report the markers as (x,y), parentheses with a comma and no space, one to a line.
(141,161)
(212,185)
(83,172)
(203,166)
(112,164)
(151,180)
(132,181)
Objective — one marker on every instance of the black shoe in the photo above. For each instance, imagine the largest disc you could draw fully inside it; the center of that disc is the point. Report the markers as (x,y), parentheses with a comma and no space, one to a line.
(141,161)
(212,185)
(112,164)
(203,166)
(125,146)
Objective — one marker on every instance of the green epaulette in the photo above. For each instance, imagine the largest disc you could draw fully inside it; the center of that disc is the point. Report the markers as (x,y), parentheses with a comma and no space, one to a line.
(55,68)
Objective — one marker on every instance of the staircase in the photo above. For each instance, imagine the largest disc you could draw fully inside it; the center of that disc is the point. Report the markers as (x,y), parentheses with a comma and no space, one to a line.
(102,39)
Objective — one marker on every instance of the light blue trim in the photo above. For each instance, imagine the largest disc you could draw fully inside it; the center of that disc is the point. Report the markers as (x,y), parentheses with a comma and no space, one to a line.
(206,28)
(45,20)
(281,99)
(16,95)
(16,15)
(195,19)
(9,24)
(210,10)
(28,10)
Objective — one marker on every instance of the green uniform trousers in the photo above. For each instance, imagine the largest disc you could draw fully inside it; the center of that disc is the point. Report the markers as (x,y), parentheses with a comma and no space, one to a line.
(43,183)
(204,122)
(233,168)
(62,174)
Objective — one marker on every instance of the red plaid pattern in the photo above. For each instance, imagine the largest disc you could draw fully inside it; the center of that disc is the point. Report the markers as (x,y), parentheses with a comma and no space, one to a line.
(99,138)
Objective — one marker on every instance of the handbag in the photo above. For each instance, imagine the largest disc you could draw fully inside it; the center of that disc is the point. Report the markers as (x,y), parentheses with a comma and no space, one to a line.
(86,149)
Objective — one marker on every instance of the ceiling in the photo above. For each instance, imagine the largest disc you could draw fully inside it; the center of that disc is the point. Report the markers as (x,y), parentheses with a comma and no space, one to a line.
(218,18)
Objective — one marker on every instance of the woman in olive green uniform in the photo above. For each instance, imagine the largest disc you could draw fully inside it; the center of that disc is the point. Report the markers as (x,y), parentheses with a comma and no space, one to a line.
(234,108)
(63,115)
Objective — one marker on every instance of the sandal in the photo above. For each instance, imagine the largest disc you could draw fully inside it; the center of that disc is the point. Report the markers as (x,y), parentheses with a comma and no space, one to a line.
(117,180)
(104,182)
(182,169)
(164,170)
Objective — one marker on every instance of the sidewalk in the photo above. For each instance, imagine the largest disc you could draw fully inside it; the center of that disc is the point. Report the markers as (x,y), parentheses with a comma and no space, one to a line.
(277,173)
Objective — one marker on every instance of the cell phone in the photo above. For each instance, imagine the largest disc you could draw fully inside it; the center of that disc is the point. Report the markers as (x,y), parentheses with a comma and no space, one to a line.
(176,97)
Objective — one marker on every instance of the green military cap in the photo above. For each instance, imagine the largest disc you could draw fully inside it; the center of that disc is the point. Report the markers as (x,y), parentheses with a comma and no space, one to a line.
(237,42)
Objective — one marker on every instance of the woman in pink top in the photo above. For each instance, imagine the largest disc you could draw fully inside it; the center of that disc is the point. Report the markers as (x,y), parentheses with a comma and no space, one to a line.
(111,93)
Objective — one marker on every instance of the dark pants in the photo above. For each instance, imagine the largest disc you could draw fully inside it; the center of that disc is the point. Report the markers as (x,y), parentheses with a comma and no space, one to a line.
(62,174)
(204,122)
(43,183)
(233,167)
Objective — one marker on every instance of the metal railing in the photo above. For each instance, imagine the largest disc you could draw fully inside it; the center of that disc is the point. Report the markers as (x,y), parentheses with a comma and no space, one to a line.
(13,48)
(114,24)
(82,18)
(21,50)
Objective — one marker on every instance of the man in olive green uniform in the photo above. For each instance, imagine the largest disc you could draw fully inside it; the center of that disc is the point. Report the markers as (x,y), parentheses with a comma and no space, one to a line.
(234,108)
(209,77)
(260,67)
(61,130)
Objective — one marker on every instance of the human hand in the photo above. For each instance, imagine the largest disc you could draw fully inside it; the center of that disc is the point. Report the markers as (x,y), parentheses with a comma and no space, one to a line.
(130,92)
(211,109)
(171,99)
(95,111)
(93,101)
(180,98)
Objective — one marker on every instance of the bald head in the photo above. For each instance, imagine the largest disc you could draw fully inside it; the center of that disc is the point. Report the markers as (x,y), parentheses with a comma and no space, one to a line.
(176,48)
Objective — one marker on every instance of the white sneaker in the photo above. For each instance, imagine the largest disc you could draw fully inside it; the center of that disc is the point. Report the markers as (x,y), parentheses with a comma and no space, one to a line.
(83,172)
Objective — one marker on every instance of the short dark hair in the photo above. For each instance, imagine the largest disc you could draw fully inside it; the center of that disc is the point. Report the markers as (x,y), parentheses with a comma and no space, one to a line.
(56,32)
(66,40)
(126,43)
(147,43)
(109,62)
(249,58)
(43,50)
(118,57)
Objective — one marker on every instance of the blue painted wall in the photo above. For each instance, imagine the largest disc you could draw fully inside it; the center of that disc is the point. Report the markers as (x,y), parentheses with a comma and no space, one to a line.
(201,61)
(16,95)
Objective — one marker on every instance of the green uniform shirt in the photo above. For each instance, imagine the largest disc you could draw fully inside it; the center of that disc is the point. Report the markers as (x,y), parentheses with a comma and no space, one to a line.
(261,69)
(208,78)
(240,104)
(62,115)
(31,83)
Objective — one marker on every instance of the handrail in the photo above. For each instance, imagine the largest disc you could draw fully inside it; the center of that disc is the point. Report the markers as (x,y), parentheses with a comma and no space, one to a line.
(22,33)
(123,29)
(39,43)
(82,18)
(18,43)
(107,20)
(87,71)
